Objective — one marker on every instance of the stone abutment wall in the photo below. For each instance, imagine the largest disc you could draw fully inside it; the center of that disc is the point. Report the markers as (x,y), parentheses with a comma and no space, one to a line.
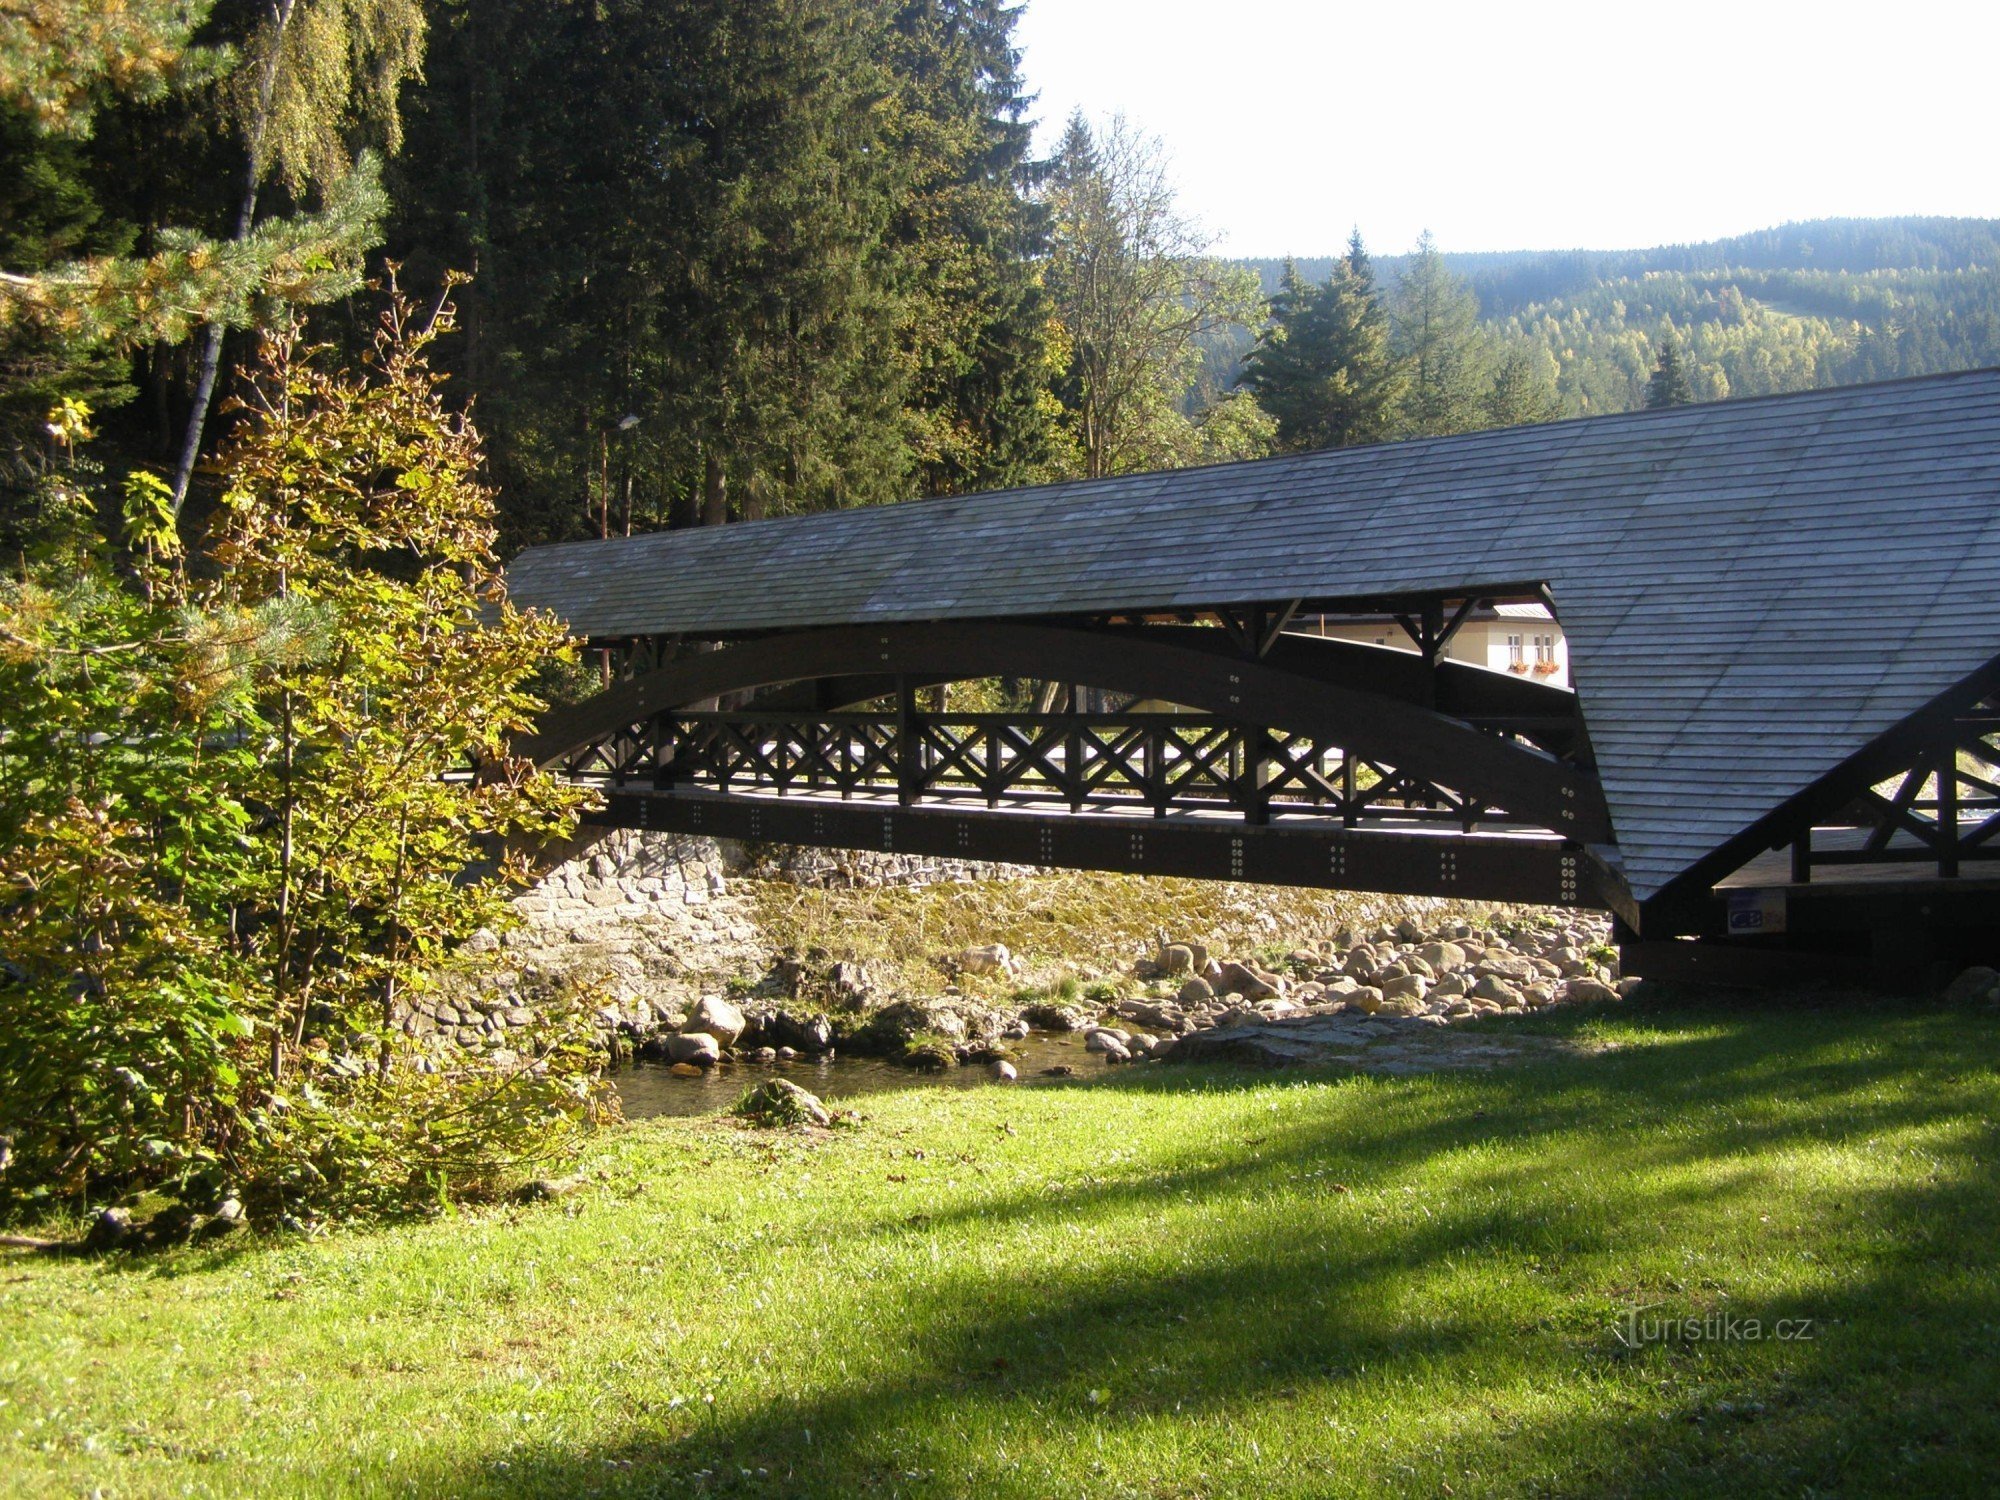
(656,920)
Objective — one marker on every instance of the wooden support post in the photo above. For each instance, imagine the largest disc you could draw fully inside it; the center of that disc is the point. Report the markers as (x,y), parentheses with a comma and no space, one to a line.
(1802,857)
(665,767)
(1156,768)
(909,766)
(1073,751)
(1947,810)
(1256,795)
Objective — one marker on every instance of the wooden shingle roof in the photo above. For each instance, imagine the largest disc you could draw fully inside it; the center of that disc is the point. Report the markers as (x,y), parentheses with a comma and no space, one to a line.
(1752,590)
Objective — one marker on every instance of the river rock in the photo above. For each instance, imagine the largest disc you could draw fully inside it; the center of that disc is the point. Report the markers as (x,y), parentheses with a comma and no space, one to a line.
(686,1070)
(1196,992)
(1499,991)
(905,1019)
(1976,985)
(1114,1051)
(1175,960)
(1251,984)
(1570,961)
(109,1230)
(696,1047)
(1499,964)
(804,1031)
(1146,1013)
(716,1017)
(1004,1071)
(989,958)
(1587,991)
(849,982)
(1405,988)
(1443,957)
(1365,998)
(779,1101)
(1048,1016)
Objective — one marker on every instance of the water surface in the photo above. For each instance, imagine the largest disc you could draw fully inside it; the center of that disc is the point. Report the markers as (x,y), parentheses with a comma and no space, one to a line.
(646,1089)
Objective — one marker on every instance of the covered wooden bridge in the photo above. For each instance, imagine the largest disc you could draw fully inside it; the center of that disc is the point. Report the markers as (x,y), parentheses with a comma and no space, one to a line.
(1783,623)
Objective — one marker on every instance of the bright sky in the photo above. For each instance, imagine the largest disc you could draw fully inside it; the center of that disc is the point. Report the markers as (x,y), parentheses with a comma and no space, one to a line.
(1534,124)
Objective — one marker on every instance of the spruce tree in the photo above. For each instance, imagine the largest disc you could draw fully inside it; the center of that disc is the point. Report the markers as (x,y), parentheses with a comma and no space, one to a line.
(682,211)
(1669,385)
(1287,367)
(1362,392)
(1323,367)
(1442,349)
(965,239)
(1523,390)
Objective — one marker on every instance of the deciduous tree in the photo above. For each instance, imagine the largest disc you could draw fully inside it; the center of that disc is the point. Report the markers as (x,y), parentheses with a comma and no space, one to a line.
(1134,289)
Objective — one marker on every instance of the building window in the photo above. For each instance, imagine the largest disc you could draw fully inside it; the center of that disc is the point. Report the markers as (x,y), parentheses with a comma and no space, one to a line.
(1545,649)
(1514,657)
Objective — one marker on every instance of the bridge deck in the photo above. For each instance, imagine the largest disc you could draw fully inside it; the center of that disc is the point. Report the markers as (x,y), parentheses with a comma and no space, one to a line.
(1404,855)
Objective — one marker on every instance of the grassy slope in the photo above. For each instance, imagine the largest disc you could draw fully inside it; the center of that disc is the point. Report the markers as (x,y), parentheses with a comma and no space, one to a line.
(1162,1283)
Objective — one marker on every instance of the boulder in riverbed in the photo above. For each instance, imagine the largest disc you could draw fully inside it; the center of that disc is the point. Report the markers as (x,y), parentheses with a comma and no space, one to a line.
(696,1047)
(1974,985)
(779,1101)
(1251,984)
(989,958)
(716,1017)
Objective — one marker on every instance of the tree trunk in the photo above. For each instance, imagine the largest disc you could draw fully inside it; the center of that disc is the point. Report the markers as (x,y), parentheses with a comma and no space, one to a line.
(246,217)
(714,491)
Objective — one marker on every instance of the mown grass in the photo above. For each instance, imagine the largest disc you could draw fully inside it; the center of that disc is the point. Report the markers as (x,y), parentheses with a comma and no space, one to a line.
(1158,1282)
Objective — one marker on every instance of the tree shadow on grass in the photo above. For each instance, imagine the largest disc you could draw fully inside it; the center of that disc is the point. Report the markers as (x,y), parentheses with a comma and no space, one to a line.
(1265,1318)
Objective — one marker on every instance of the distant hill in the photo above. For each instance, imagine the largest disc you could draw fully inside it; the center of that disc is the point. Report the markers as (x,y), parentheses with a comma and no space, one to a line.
(1827,302)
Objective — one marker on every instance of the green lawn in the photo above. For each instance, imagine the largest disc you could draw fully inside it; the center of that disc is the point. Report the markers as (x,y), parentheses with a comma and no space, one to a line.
(1159,1283)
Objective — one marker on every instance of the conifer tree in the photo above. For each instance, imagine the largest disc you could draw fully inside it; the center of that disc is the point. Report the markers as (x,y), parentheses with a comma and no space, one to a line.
(316,91)
(1442,348)
(1368,383)
(1287,367)
(1323,367)
(966,236)
(78,292)
(1523,390)
(1669,385)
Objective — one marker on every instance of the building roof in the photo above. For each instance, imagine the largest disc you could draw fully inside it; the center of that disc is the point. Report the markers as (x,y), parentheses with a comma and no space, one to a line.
(1752,590)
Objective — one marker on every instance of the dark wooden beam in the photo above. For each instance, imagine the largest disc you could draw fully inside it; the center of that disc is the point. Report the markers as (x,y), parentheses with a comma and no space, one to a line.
(1495,868)
(1534,787)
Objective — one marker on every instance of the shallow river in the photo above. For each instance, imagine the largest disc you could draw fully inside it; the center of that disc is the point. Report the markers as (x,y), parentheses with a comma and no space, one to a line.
(646,1089)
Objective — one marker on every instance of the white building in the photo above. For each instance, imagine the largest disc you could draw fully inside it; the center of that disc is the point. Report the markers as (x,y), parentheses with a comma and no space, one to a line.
(1523,639)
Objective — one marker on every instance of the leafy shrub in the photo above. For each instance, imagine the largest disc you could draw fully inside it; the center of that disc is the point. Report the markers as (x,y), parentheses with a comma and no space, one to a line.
(235,834)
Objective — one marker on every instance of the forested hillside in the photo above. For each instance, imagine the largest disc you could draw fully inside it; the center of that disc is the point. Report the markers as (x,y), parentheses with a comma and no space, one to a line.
(1829,302)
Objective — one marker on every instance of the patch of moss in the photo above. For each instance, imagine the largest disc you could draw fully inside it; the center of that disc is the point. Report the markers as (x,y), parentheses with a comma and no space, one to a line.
(928,1052)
